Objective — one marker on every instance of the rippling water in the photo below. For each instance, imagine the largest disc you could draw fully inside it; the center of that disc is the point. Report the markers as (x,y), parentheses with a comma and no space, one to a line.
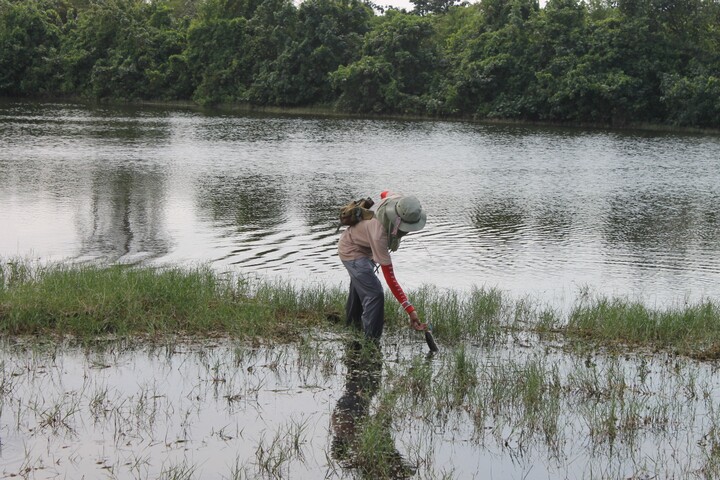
(542,212)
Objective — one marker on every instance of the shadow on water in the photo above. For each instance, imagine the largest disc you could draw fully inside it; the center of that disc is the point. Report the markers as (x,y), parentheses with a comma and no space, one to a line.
(266,223)
(320,206)
(508,219)
(654,219)
(503,218)
(646,223)
(362,441)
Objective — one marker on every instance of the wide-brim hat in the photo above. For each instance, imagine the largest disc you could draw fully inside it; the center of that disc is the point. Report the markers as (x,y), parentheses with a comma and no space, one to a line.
(402,212)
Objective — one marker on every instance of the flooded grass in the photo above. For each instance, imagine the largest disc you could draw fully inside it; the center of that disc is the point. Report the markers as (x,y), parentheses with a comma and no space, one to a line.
(222,409)
(689,329)
(181,374)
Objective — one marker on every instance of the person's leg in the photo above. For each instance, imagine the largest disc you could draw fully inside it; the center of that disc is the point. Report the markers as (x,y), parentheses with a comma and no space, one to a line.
(369,290)
(353,307)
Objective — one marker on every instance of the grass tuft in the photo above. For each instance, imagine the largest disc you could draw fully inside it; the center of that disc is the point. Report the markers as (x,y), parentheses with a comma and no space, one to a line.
(691,329)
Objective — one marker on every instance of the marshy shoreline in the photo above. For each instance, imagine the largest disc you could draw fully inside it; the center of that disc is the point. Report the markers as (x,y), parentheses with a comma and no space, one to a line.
(87,300)
(183,373)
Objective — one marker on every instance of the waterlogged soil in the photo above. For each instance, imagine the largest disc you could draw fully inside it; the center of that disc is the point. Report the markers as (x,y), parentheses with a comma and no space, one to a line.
(519,408)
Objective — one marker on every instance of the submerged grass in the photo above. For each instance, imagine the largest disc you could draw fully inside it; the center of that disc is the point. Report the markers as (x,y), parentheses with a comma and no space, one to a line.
(89,300)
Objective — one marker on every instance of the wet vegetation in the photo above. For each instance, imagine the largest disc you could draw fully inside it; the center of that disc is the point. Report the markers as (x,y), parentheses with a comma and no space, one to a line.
(229,409)
(90,300)
(612,389)
(600,62)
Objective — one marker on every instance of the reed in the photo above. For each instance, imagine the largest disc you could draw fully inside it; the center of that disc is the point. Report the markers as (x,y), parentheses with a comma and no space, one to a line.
(182,471)
(89,300)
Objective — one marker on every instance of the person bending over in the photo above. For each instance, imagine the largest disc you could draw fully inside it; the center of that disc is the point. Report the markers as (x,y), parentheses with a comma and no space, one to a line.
(368,243)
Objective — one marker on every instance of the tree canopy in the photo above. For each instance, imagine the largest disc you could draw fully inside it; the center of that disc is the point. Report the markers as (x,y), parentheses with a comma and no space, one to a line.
(593,61)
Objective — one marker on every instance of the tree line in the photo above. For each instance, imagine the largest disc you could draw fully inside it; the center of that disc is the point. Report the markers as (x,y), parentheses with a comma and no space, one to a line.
(612,62)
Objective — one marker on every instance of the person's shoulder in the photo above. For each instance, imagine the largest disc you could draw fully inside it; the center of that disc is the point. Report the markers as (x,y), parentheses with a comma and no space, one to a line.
(373,223)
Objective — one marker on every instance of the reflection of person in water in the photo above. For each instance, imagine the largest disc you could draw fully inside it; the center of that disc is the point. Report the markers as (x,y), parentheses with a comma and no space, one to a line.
(364,369)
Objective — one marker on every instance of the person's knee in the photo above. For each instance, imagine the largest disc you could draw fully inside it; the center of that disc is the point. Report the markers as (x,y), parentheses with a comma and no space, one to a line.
(377,297)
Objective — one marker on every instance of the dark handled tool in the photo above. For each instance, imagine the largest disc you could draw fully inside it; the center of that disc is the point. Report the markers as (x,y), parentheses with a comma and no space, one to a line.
(430,339)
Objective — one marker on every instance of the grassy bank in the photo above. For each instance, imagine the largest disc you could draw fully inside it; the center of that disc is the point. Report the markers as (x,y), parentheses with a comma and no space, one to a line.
(89,300)
(93,300)
(691,329)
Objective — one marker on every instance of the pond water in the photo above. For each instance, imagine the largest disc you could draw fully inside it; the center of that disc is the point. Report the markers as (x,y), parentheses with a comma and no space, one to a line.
(539,212)
(224,410)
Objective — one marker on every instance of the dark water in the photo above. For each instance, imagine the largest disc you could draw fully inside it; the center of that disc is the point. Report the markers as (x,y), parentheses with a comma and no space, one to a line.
(542,212)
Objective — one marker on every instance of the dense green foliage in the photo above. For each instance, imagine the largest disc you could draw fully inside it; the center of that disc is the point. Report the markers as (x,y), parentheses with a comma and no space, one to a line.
(591,61)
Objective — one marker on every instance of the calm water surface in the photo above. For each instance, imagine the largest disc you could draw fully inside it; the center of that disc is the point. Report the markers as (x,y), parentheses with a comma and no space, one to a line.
(537,212)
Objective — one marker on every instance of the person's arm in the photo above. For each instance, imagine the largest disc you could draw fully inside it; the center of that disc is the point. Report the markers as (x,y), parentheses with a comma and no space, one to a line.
(399,294)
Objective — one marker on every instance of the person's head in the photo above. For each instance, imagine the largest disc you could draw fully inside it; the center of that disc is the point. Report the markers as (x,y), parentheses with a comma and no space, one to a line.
(400,215)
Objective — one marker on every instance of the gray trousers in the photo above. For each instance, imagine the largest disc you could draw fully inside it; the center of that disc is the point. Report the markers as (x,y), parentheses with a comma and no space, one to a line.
(365,307)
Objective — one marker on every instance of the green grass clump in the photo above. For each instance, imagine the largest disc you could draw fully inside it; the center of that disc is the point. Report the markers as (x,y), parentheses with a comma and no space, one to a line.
(93,300)
(479,315)
(690,329)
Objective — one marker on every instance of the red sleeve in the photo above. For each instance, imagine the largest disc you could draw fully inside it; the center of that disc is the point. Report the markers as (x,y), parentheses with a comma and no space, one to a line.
(395,288)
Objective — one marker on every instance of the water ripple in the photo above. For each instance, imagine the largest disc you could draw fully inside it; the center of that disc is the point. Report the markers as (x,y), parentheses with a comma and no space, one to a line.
(539,211)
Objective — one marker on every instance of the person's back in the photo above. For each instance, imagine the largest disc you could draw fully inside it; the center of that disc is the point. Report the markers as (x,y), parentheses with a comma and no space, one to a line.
(365,239)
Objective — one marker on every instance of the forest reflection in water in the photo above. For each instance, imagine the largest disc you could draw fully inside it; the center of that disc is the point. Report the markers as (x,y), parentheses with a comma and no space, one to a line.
(536,211)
